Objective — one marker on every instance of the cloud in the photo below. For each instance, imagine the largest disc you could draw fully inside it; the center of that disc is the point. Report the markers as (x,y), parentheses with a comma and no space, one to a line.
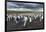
(23,5)
(14,5)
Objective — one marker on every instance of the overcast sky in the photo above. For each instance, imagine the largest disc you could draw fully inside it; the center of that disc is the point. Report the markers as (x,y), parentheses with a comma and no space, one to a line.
(24,5)
(29,6)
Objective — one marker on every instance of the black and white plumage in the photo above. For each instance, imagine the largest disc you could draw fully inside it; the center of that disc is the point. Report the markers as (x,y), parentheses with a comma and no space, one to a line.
(24,20)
